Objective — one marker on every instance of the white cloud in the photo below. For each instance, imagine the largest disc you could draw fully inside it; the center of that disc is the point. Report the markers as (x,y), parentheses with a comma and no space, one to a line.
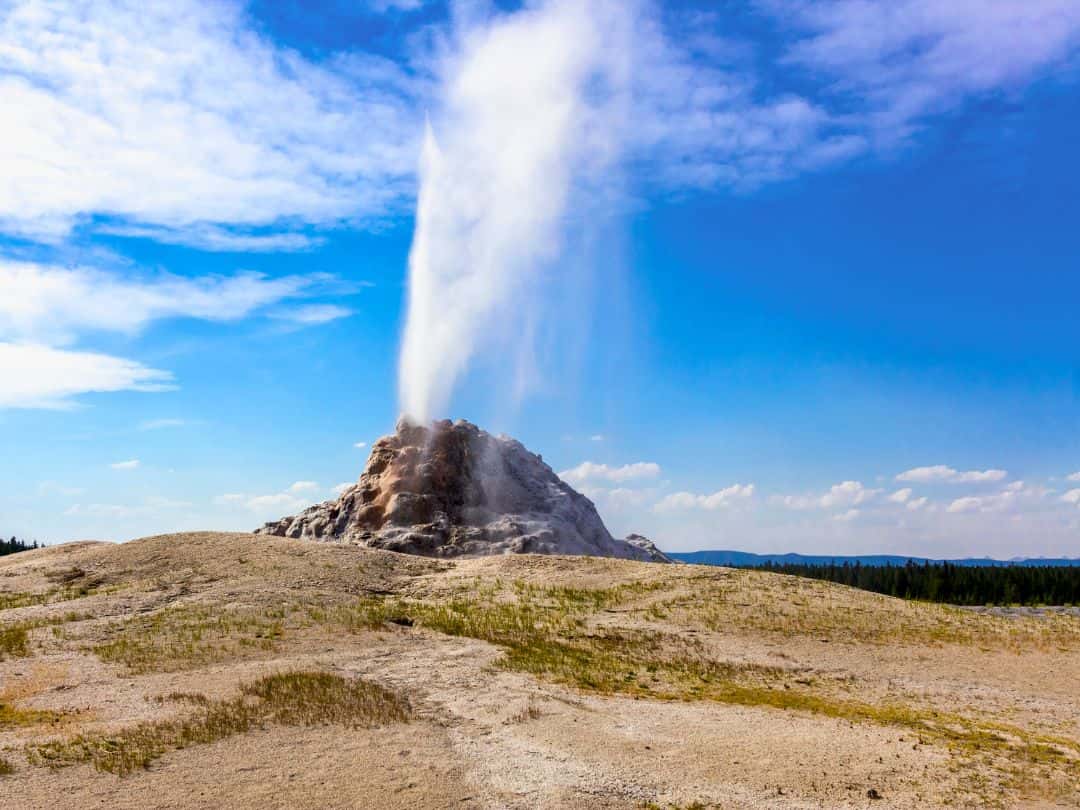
(1007,499)
(848,516)
(340,488)
(215,238)
(279,501)
(313,314)
(304,486)
(131,464)
(35,376)
(55,304)
(844,495)
(396,5)
(53,488)
(590,471)
(1072,496)
(181,116)
(902,60)
(940,473)
(901,495)
(151,506)
(596,437)
(917,504)
(1073,477)
(680,501)
(848,493)
(360,445)
(161,424)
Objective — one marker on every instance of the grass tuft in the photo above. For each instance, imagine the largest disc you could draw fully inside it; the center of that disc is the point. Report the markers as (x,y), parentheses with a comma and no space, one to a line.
(14,641)
(6,768)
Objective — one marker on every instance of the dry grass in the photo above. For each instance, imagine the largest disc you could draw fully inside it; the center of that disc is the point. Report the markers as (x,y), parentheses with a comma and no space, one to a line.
(763,603)
(11,600)
(192,636)
(6,768)
(292,699)
(572,636)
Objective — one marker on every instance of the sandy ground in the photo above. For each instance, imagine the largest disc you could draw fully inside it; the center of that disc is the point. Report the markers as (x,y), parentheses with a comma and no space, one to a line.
(483,736)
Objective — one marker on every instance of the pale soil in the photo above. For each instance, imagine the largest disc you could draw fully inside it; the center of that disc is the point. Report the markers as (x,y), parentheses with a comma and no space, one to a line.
(483,736)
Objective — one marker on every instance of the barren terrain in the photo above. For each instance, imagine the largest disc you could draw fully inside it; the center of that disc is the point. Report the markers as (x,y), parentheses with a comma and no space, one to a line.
(229,670)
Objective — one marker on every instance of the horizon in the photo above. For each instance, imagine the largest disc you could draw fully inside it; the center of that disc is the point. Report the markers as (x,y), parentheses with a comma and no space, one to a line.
(786,278)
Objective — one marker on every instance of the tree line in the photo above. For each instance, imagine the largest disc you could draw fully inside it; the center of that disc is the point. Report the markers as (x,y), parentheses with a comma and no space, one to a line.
(13,545)
(950,583)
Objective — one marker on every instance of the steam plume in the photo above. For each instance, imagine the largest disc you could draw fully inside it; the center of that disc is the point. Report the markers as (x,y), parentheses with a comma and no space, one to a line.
(530,116)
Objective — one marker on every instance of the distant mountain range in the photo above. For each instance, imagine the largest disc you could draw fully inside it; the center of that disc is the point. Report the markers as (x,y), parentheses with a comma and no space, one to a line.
(747,559)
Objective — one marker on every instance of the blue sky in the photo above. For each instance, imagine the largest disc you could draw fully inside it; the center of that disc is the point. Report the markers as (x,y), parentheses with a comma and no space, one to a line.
(811,287)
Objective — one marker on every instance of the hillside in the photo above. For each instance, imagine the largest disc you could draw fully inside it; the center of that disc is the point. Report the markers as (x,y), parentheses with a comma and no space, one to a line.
(206,670)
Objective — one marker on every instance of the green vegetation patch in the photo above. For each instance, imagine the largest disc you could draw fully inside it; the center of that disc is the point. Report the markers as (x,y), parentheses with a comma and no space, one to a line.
(18,599)
(14,641)
(290,699)
(6,768)
(191,636)
(12,717)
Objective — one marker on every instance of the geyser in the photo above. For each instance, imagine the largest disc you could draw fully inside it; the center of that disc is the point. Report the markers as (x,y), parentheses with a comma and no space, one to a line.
(529,117)
(454,490)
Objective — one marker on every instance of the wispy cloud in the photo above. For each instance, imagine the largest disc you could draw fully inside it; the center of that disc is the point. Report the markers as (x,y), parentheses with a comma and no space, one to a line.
(899,61)
(161,424)
(36,376)
(313,314)
(55,304)
(130,464)
(184,116)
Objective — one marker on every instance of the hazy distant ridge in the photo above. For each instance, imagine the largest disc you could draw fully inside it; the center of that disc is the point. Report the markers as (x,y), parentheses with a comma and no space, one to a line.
(746,558)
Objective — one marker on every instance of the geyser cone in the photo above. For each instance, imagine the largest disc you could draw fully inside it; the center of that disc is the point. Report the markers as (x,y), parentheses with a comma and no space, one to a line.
(451,490)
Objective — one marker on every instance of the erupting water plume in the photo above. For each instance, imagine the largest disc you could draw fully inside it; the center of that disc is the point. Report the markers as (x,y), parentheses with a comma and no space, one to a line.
(530,113)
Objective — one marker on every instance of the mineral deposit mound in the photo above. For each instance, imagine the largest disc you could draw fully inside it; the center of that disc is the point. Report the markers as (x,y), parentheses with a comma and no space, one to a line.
(454,490)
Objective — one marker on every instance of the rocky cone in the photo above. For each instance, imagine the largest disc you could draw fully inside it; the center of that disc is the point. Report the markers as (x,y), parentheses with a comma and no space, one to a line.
(454,490)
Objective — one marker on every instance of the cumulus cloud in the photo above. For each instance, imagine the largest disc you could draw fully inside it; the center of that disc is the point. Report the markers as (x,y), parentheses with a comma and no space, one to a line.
(681,501)
(590,471)
(180,116)
(947,475)
(35,376)
(1073,477)
(901,495)
(848,493)
(1072,496)
(843,495)
(1006,499)
(272,505)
